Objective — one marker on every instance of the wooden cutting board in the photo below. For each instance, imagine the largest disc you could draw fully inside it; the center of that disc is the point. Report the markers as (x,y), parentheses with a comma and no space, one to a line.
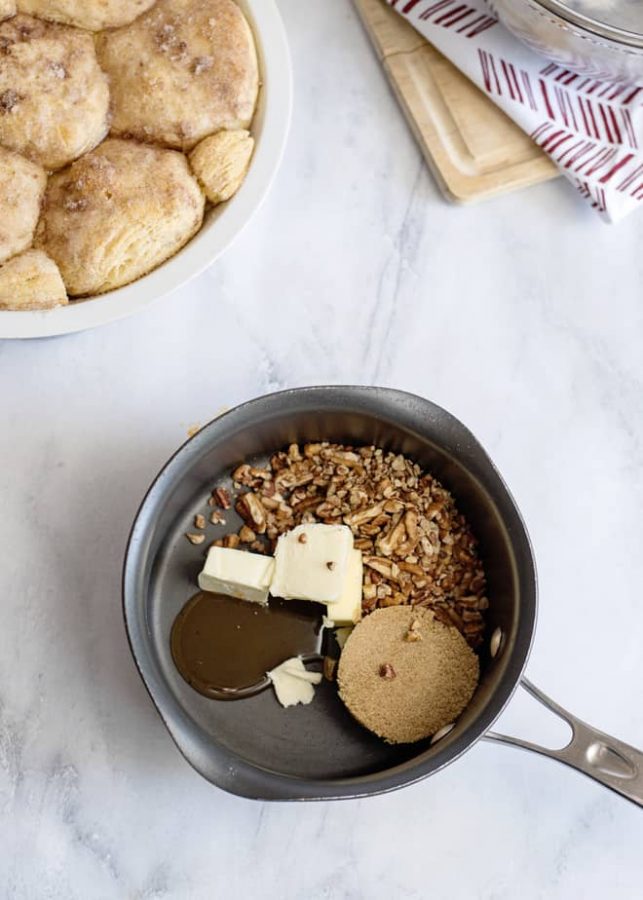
(473,149)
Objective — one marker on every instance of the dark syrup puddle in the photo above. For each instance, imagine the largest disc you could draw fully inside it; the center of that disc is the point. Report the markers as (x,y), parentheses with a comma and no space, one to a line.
(223,647)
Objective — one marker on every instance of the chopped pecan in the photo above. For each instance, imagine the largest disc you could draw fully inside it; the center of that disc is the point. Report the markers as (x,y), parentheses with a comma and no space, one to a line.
(251,510)
(414,633)
(417,547)
(247,535)
(364,515)
(311,450)
(329,667)
(243,475)
(222,497)
(387,543)
(394,599)
(379,564)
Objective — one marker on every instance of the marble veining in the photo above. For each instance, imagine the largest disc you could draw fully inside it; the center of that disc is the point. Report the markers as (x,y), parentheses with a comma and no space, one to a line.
(523,316)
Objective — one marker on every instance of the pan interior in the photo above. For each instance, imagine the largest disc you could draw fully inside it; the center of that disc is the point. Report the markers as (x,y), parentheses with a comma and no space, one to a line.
(320,741)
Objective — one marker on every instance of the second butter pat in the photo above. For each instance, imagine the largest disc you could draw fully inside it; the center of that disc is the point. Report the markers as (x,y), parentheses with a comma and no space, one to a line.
(311,563)
(348,610)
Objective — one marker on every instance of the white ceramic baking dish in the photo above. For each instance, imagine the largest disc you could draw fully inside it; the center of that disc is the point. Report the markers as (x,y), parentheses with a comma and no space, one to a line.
(222,224)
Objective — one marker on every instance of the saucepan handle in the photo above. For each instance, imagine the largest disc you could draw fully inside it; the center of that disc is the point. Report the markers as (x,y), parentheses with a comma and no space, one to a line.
(607,760)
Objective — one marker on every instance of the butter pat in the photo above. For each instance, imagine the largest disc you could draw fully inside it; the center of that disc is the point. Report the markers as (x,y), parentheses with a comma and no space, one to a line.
(348,610)
(293,683)
(237,573)
(311,563)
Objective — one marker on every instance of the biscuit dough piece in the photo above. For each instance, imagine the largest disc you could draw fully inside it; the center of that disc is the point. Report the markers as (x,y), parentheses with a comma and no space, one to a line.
(117,213)
(22,185)
(404,675)
(54,99)
(181,71)
(221,161)
(93,15)
(31,281)
(7,9)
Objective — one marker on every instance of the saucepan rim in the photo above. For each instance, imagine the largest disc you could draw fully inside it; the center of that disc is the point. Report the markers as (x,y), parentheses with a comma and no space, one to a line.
(244,778)
(590,24)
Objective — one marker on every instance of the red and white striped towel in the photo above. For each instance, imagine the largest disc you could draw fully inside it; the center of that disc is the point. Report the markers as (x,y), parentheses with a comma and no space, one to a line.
(592,130)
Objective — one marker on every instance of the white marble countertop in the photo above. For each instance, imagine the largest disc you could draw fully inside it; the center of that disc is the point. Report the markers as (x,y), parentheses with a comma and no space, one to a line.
(523,316)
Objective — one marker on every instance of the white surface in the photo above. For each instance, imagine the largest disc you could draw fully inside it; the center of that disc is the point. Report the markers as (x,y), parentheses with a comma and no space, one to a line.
(524,317)
(222,223)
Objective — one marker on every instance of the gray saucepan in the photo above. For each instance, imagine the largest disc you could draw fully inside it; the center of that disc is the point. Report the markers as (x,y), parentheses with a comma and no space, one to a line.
(253,747)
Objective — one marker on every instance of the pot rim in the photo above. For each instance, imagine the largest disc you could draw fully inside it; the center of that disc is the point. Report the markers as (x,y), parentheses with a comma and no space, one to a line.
(588,23)
(247,779)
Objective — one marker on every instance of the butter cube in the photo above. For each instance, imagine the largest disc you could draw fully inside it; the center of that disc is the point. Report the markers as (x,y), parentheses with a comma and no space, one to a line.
(311,563)
(293,683)
(348,610)
(237,573)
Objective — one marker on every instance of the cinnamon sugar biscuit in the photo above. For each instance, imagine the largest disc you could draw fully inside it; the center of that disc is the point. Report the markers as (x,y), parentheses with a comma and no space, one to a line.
(117,213)
(31,281)
(54,98)
(94,15)
(181,71)
(221,161)
(22,184)
(7,9)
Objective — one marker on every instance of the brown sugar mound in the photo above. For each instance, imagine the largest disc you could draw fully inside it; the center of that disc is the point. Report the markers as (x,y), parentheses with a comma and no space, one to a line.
(404,675)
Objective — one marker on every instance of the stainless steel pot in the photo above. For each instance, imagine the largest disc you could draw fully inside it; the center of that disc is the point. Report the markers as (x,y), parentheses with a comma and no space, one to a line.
(604,41)
(253,747)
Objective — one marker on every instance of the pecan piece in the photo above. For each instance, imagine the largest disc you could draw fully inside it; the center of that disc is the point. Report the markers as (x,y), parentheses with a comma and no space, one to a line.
(413,634)
(413,568)
(247,535)
(243,475)
(251,510)
(307,503)
(360,516)
(329,667)
(379,564)
(411,525)
(387,543)
(393,599)
(222,496)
